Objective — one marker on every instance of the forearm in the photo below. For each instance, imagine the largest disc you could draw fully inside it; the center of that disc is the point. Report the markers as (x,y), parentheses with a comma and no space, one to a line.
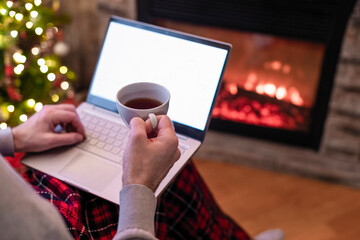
(137,211)
(24,214)
(6,142)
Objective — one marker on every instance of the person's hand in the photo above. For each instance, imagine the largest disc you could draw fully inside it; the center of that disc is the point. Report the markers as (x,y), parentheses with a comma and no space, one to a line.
(149,156)
(37,133)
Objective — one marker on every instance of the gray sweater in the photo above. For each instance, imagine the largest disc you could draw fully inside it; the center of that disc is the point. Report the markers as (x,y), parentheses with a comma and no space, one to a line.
(23,213)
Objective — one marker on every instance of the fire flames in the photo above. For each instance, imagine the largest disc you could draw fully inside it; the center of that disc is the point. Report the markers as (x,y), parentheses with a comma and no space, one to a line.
(262,104)
(264,98)
(269,88)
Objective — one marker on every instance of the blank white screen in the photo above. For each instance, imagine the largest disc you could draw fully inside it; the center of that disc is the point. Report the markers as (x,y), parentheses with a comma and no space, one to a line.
(189,70)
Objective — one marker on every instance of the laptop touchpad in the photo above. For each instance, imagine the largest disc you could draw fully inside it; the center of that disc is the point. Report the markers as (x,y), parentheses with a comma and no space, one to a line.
(90,172)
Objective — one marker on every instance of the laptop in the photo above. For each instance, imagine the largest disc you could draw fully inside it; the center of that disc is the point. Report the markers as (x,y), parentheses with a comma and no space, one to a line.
(191,68)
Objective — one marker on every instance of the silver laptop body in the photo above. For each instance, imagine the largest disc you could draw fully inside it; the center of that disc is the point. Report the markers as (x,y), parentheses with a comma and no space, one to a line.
(191,68)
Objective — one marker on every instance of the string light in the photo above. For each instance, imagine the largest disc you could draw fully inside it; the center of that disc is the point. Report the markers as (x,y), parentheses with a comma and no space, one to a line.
(10,108)
(39,31)
(14,33)
(28,6)
(34,14)
(29,25)
(51,77)
(19,58)
(35,51)
(9,4)
(38,106)
(64,85)
(44,69)
(55,97)
(37,2)
(19,68)
(19,16)
(63,69)
(50,63)
(70,75)
(31,102)
(3,11)
(23,118)
(12,13)
(41,61)
(3,126)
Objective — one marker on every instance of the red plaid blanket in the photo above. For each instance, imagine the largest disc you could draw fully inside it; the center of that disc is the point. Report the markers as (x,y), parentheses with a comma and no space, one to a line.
(186,210)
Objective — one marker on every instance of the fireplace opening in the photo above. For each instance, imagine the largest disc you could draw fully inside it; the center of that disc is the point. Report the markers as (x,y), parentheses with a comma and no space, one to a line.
(269,81)
(279,76)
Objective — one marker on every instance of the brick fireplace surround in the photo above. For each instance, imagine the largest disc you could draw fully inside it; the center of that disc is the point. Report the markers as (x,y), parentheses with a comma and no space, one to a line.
(338,158)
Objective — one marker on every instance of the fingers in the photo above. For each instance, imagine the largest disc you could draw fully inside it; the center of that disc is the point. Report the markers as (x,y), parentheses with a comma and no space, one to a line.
(151,133)
(37,134)
(165,122)
(148,126)
(148,160)
(68,107)
(166,129)
(138,128)
(65,114)
(166,134)
(67,117)
(177,154)
(64,139)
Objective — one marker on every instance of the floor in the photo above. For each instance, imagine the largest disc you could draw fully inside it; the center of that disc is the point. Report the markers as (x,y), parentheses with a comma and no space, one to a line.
(304,208)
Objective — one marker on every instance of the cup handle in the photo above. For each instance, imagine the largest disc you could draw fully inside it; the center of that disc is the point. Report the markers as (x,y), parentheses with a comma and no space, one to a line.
(153,120)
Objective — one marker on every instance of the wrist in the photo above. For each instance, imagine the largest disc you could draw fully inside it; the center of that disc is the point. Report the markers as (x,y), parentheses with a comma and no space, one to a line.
(18,144)
(138,181)
(7,142)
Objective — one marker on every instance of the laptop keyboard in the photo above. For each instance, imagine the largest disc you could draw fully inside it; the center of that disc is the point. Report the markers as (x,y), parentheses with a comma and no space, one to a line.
(103,137)
(106,138)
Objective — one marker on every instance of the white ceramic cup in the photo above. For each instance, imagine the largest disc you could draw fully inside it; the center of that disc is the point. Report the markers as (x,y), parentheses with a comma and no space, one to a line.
(141,91)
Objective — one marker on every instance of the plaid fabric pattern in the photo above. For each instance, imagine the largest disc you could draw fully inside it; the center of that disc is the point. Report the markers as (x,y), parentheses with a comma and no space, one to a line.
(186,210)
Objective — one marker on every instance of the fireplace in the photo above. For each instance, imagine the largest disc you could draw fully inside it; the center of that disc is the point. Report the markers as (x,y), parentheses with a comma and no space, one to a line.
(280,73)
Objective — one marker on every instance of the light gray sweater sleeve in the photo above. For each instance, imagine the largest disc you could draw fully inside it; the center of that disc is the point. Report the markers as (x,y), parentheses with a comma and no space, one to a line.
(24,214)
(137,212)
(6,142)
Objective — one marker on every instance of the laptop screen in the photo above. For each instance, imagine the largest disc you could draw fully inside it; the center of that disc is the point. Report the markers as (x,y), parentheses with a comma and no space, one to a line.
(190,67)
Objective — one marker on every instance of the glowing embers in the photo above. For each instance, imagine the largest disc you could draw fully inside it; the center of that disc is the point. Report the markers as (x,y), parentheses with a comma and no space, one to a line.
(265,109)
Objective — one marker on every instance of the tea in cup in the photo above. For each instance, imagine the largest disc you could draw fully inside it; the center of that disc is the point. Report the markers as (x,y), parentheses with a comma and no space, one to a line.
(144,100)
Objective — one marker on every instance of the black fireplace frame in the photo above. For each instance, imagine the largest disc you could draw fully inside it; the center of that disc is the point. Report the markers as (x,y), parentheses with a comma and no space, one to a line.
(319,21)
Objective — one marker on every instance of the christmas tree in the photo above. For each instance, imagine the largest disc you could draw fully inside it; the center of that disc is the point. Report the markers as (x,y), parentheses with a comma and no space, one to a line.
(31,47)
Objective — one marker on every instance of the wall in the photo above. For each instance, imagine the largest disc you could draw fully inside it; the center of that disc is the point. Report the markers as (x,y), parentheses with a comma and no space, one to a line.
(86,32)
(341,140)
